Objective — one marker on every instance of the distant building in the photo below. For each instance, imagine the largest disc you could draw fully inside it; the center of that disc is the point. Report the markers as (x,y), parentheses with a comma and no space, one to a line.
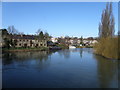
(1,42)
(75,41)
(15,40)
(85,41)
(54,40)
(28,41)
(94,41)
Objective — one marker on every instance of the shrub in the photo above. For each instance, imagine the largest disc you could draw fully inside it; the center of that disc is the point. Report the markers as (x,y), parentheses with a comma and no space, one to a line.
(108,47)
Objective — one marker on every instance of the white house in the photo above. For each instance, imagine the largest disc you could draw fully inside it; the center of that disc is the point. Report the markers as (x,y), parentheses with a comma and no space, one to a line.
(54,40)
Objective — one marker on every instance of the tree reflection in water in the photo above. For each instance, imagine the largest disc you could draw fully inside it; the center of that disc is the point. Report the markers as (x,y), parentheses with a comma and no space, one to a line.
(81,52)
(66,53)
(107,71)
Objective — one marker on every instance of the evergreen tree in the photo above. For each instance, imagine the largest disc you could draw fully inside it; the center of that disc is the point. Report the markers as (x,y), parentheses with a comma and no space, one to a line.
(41,35)
(81,40)
(46,35)
(106,26)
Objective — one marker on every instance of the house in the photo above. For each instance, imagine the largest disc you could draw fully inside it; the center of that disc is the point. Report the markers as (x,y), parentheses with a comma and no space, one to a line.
(28,41)
(94,41)
(54,40)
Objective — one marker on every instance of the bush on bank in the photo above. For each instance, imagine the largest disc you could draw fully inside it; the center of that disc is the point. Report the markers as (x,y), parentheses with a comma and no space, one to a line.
(108,47)
(63,46)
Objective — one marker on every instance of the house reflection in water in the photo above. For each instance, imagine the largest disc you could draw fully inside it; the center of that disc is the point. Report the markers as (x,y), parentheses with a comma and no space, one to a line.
(35,59)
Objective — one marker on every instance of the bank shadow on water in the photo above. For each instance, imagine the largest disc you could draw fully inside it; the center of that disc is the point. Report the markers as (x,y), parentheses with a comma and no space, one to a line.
(87,70)
(107,70)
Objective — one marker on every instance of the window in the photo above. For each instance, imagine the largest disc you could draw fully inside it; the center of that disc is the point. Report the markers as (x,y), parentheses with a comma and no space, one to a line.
(14,40)
(19,44)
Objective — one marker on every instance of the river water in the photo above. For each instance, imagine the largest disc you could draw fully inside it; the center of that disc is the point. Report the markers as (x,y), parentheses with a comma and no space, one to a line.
(69,68)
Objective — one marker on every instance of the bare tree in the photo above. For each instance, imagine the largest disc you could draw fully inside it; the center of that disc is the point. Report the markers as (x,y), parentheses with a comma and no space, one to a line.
(38,31)
(12,30)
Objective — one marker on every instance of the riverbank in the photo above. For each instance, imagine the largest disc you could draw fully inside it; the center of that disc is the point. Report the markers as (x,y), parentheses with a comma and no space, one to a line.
(25,49)
(36,49)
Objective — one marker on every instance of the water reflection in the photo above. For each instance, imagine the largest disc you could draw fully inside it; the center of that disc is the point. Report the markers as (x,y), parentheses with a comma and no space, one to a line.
(50,69)
(119,73)
(81,52)
(40,55)
(68,52)
(22,56)
(107,71)
(38,60)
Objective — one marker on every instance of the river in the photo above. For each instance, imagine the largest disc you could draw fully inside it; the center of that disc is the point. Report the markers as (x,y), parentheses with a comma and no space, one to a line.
(69,68)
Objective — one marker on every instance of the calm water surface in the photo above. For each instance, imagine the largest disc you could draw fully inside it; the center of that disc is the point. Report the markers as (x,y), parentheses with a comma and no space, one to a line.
(70,68)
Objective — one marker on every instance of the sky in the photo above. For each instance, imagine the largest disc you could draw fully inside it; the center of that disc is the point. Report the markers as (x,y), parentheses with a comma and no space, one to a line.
(57,18)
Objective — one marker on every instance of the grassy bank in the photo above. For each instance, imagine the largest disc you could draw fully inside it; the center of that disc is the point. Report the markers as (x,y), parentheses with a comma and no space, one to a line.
(26,49)
(108,47)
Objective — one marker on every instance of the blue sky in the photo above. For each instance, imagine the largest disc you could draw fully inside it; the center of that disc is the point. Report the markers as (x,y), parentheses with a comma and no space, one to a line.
(58,19)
